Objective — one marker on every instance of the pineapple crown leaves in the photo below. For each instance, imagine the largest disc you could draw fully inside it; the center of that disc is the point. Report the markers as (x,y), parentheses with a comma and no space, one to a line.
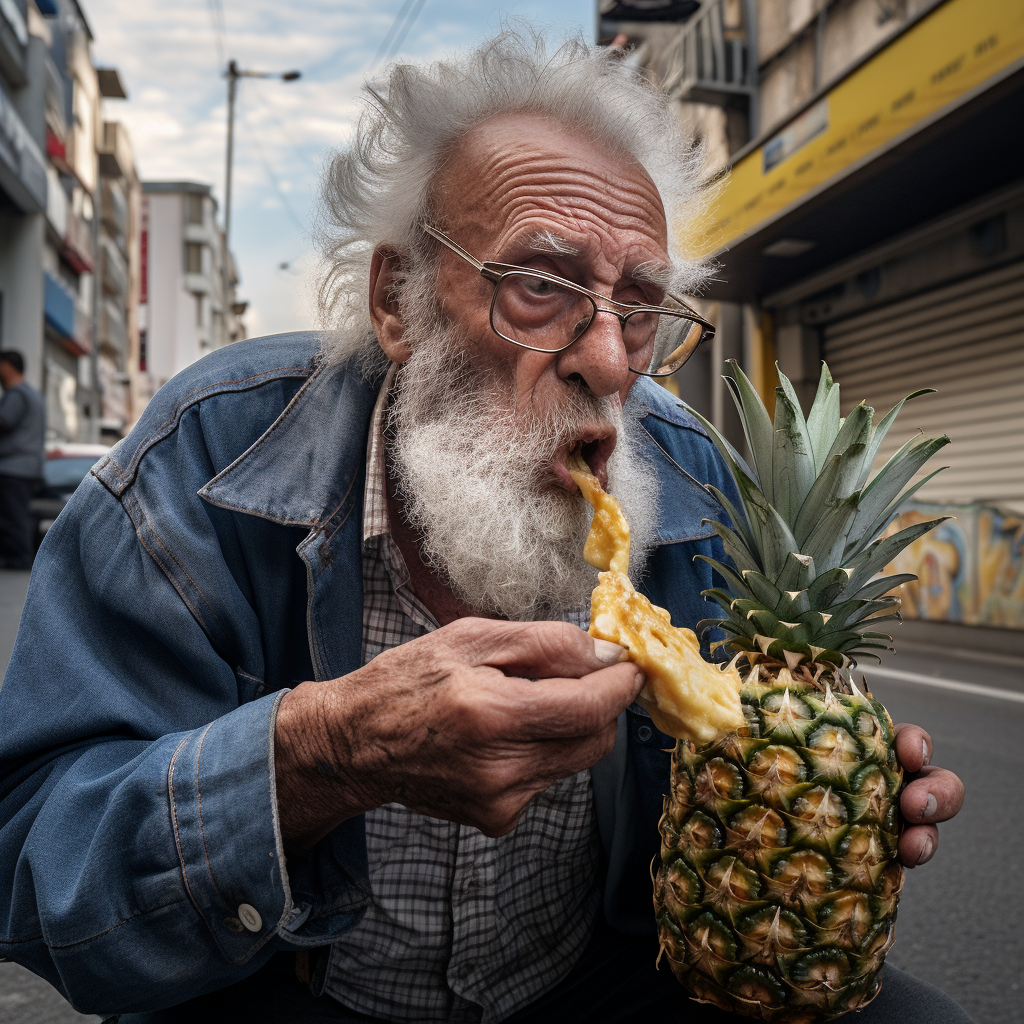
(806,544)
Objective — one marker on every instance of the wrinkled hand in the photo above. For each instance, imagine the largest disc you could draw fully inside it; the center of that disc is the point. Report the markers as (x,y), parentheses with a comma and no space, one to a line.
(467,724)
(931,794)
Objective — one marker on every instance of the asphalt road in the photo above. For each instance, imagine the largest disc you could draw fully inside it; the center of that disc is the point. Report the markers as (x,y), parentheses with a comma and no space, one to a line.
(959,924)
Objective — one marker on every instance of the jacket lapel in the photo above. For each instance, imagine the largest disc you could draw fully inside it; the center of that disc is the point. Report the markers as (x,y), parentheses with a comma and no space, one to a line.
(308,469)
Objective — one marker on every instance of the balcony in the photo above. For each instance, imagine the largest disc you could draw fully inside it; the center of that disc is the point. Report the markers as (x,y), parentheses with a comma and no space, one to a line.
(198,284)
(716,60)
(113,334)
(113,269)
(22,164)
(77,250)
(115,151)
(13,40)
(114,211)
(64,317)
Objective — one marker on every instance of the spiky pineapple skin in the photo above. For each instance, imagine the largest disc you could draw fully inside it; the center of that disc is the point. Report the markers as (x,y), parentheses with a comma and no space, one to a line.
(777,888)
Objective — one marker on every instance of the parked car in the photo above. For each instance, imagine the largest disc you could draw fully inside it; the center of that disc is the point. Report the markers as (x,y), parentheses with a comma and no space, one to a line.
(64,468)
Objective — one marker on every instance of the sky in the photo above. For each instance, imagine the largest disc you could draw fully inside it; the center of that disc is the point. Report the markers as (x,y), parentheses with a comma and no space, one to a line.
(171,57)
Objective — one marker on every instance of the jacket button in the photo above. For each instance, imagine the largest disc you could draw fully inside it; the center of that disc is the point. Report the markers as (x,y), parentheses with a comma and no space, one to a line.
(643,734)
(250,917)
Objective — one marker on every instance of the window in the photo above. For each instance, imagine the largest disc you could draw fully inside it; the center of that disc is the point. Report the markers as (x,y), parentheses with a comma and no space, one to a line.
(193,258)
(199,309)
(193,209)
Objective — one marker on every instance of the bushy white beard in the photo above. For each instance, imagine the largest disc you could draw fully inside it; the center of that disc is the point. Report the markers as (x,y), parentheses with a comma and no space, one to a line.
(475,483)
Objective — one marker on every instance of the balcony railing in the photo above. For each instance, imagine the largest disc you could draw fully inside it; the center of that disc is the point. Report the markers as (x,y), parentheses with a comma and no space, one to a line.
(716,60)
(78,248)
(113,269)
(114,210)
(115,151)
(113,334)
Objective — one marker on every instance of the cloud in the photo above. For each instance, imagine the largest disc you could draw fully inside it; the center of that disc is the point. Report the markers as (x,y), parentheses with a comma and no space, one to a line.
(169,57)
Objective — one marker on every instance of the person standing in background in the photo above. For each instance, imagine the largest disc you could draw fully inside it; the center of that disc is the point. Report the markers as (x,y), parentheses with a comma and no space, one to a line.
(22,431)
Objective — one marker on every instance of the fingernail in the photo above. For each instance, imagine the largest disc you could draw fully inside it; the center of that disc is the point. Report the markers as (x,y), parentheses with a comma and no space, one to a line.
(640,679)
(925,756)
(927,849)
(930,806)
(609,653)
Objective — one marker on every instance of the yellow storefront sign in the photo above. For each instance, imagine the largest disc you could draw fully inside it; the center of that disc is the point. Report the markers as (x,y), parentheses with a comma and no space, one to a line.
(956,48)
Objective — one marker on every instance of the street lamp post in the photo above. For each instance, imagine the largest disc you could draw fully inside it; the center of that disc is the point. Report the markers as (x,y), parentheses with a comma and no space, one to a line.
(233,74)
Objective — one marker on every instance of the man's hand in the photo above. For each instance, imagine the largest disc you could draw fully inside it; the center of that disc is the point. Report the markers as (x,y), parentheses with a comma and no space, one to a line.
(931,794)
(467,724)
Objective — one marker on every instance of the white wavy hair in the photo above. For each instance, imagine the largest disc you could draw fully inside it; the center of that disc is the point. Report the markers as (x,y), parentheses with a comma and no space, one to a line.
(378,188)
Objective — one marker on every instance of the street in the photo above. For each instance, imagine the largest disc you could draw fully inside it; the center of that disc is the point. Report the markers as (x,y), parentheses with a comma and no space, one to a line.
(957,925)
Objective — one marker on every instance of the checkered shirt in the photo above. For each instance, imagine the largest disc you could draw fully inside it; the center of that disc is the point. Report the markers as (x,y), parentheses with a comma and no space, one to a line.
(461,927)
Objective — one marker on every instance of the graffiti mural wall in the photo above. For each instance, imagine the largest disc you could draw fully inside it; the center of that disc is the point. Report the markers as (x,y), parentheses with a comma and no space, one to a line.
(970,568)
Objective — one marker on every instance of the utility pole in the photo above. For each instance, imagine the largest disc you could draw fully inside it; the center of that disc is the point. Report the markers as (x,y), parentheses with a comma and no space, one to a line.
(233,74)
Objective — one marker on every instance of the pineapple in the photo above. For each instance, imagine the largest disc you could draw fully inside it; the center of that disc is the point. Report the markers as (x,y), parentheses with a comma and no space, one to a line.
(777,886)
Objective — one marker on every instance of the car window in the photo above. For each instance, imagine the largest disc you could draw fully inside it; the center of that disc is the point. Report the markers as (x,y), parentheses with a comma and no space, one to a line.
(67,473)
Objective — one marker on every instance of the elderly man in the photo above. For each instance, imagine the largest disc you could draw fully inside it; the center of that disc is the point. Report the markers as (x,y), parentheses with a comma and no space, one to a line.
(302,667)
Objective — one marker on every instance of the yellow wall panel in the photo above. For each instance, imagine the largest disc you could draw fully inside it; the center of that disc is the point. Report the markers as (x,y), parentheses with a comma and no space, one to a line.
(956,48)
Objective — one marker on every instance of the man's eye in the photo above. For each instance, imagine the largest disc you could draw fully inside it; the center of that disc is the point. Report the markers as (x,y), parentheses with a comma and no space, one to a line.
(539,287)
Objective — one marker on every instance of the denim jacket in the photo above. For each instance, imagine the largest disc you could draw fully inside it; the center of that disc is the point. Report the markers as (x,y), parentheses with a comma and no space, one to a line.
(210,562)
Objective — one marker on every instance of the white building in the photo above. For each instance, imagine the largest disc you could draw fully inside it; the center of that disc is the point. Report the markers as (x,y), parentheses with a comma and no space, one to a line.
(187,305)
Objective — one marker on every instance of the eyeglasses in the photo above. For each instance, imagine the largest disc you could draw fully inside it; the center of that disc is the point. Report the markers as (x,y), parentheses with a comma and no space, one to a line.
(546,313)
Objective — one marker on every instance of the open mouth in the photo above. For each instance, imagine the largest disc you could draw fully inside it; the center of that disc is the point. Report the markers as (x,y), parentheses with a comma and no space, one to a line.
(595,448)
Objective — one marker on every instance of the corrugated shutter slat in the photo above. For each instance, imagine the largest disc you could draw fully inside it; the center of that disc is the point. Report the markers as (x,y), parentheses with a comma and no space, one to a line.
(966,340)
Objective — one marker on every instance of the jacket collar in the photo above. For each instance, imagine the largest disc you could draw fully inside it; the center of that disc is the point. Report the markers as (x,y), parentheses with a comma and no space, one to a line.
(305,464)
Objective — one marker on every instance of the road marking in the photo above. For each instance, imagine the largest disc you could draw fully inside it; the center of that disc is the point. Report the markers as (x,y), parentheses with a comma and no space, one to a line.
(947,684)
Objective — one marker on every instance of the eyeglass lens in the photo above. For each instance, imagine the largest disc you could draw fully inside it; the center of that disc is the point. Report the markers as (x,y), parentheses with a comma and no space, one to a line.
(542,314)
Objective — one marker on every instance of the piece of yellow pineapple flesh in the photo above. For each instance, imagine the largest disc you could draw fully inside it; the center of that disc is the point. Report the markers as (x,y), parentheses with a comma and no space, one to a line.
(686,697)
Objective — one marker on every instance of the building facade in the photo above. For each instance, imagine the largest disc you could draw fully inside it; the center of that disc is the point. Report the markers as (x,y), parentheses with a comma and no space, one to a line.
(72,116)
(866,162)
(189,306)
(23,185)
(69,222)
(118,269)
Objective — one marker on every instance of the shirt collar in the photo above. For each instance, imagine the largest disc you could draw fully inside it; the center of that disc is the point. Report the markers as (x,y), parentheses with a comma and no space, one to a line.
(376,521)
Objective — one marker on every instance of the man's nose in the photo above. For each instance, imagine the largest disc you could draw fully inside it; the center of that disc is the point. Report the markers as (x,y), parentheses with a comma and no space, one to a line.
(598,356)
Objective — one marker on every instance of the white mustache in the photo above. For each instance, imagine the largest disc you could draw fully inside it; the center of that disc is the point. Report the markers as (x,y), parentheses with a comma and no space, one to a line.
(475,481)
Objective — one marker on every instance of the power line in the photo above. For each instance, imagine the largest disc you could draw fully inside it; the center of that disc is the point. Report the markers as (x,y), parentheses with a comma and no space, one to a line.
(216,9)
(390,34)
(413,15)
(406,15)
(273,179)
(290,139)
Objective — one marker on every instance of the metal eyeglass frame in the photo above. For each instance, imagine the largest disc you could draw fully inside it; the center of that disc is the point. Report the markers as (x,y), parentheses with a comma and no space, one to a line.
(497,272)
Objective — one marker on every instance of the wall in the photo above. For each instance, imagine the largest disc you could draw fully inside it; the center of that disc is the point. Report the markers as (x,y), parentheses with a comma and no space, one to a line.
(169,317)
(971,567)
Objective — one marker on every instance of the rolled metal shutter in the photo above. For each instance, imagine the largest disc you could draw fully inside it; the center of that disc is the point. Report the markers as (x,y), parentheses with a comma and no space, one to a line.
(967,341)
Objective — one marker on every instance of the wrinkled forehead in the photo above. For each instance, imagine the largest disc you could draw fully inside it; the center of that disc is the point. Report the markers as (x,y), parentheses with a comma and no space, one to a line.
(526,173)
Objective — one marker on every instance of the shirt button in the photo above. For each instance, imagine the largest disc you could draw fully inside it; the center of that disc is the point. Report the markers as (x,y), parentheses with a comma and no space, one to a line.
(250,917)
(644,733)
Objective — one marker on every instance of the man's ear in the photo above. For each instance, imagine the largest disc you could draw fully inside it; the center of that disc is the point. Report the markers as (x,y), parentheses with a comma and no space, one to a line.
(385,313)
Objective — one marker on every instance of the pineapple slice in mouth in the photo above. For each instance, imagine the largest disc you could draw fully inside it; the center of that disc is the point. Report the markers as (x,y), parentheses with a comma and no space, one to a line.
(685,696)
